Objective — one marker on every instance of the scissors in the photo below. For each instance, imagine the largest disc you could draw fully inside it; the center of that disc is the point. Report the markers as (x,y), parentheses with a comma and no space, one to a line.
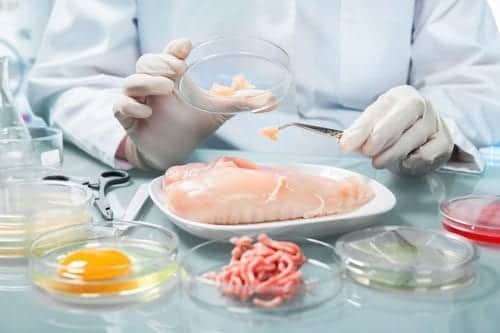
(105,180)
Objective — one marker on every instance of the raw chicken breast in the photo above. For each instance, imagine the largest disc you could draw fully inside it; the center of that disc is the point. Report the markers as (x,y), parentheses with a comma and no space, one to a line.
(180,172)
(237,191)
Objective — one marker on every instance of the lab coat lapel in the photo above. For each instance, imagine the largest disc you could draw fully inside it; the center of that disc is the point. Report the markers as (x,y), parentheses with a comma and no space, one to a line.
(374,49)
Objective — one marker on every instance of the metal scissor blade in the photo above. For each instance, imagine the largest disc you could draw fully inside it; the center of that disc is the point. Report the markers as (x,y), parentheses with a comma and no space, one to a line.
(316,129)
(108,179)
(104,208)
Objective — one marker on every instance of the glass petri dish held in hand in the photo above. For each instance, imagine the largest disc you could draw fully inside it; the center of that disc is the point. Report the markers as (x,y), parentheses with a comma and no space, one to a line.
(230,75)
(407,258)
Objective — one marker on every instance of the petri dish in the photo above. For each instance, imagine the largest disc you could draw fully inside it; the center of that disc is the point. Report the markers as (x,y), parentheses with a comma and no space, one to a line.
(218,61)
(44,149)
(107,264)
(28,209)
(14,275)
(321,280)
(26,174)
(407,258)
(476,217)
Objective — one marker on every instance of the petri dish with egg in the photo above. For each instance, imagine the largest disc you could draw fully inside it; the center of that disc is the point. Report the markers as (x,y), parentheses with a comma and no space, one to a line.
(28,209)
(407,258)
(105,264)
(205,280)
(476,217)
(230,75)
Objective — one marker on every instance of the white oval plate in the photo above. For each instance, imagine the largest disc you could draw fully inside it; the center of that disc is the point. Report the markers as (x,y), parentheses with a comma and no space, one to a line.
(383,202)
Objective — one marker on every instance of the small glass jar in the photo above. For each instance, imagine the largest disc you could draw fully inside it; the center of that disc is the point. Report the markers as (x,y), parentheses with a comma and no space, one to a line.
(44,149)
(28,209)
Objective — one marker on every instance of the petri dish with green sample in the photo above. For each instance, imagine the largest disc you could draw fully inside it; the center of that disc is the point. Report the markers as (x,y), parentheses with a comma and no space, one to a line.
(407,258)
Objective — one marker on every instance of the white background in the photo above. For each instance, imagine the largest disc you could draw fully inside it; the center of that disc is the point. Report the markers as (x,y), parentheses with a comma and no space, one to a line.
(495,5)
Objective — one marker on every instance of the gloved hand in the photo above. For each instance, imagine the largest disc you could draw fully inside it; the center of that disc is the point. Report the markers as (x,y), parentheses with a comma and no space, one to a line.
(400,131)
(161,128)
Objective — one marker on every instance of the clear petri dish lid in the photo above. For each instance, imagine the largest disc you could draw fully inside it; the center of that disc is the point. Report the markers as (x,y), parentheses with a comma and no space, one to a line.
(476,217)
(406,258)
(230,75)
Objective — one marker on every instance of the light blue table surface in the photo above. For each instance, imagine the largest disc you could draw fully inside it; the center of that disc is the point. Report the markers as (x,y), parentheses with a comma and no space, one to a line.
(357,309)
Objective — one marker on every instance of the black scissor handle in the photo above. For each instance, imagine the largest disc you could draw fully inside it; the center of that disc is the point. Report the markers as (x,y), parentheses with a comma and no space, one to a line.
(113,177)
(61,178)
(107,179)
(57,177)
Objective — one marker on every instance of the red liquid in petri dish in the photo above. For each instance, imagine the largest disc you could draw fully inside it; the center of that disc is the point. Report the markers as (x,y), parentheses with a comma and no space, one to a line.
(476,218)
(472,235)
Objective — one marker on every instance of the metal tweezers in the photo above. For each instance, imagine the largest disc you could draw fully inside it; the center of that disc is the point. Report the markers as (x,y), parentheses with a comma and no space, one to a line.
(316,129)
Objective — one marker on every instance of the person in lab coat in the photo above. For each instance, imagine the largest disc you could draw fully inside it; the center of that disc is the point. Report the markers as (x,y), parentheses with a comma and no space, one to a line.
(415,82)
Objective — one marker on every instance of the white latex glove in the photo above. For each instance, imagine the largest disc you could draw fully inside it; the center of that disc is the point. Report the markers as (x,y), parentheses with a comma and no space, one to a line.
(400,131)
(161,128)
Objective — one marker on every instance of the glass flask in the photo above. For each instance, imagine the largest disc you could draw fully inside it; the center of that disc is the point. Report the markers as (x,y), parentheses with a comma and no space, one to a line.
(12,126)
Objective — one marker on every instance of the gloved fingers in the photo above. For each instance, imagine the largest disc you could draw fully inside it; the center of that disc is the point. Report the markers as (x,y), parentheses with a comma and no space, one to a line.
(160,64)
(127,110)
(355,136)
(169,64)
(141,85)
(126,122)
(402,115)
(413,138)
(129,107)
(133,155)
(179,48)
(429,156)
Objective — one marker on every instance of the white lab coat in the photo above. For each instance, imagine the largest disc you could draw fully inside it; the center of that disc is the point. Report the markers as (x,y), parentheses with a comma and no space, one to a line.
(344,54)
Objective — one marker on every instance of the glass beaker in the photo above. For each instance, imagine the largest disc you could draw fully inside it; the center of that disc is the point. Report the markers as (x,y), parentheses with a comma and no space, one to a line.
(15,139)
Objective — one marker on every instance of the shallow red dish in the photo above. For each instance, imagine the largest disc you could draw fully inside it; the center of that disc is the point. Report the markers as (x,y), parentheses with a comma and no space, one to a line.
(476,217)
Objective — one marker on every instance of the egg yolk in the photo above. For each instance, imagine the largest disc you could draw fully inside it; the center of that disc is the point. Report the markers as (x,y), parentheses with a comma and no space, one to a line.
(90,264)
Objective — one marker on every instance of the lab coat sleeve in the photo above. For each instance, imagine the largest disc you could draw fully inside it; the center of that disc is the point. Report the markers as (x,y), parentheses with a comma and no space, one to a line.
(456,65)
(87,50)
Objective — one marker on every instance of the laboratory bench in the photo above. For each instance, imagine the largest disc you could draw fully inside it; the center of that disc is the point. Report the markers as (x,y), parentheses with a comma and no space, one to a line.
(473,308)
